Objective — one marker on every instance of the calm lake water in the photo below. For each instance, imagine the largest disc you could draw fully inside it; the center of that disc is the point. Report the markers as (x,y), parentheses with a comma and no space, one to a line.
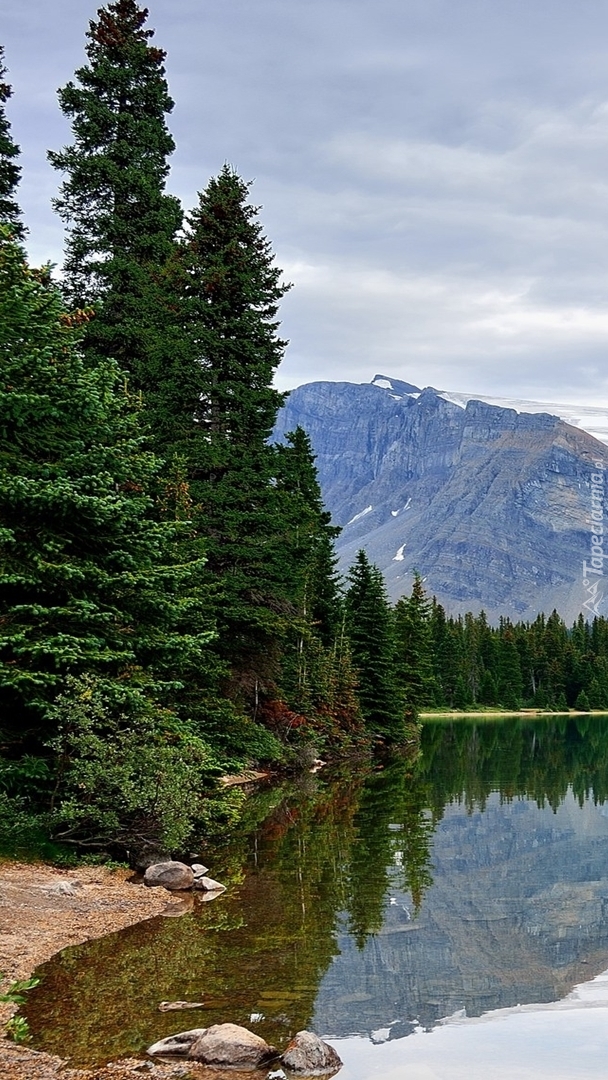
(433,920)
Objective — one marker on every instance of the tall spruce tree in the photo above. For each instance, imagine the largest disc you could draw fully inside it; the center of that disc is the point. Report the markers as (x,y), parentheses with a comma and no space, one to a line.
(121,223)
(310,536)
(317,676)
(371,632)
(414,646)
(90,583)
(232,289)
(10,172)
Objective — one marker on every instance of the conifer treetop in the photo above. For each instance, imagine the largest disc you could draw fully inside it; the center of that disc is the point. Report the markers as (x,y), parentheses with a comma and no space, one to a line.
(10,172)
(232,300)
(113,199)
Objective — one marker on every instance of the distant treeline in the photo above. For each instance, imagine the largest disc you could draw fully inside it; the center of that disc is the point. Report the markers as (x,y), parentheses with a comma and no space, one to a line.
(464,662)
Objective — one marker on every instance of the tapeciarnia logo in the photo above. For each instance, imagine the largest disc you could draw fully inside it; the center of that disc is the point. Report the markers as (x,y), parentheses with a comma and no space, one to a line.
(593,571)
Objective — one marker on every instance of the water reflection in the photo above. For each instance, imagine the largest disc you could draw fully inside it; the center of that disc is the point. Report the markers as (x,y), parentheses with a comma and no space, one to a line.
(476,879)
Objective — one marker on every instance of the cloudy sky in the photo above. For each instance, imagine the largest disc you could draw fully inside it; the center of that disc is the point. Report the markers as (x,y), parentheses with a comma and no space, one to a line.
(433,173)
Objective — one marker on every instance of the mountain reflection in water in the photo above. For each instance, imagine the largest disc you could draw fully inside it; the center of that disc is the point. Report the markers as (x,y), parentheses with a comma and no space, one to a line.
(476,879)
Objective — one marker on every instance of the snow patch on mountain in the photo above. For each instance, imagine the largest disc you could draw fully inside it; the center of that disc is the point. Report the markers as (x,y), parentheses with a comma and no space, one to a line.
(362,513)
(590,418)
(395,513)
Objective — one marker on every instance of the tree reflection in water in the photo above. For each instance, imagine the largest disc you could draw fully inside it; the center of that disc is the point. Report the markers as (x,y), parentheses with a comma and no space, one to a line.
(340,864)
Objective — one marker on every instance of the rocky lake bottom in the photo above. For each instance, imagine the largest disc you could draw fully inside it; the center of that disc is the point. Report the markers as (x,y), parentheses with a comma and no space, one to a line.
(437,920)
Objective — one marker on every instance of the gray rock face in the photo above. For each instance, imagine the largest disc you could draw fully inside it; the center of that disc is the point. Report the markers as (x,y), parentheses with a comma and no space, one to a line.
(490,505)
(170,875)
(222,1045)
(308,1055)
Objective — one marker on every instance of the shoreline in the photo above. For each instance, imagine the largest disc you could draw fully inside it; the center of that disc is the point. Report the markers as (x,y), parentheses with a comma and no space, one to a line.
(496,714)
(40,916)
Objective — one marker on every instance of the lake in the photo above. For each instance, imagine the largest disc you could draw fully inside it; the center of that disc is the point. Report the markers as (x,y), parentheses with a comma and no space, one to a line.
(441,920)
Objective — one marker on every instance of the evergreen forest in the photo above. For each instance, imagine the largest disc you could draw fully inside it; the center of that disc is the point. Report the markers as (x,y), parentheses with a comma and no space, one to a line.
(464,663)
(170,607)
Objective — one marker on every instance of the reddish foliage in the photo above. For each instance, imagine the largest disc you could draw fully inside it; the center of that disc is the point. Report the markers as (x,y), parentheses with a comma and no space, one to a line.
(279,718)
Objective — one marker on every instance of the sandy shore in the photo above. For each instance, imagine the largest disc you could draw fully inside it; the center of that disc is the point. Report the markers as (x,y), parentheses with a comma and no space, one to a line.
(43,910)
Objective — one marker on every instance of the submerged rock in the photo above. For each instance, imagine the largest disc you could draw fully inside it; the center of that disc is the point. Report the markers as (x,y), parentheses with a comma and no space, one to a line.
(176,908)
(227,1046)
(308,1055)
(174,1006)
(207,884)
(170,875)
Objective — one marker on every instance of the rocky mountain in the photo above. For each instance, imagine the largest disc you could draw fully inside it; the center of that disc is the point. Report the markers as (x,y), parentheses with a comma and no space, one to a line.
(490,504)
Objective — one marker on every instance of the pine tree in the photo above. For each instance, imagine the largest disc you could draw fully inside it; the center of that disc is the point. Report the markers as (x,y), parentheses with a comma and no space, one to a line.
(509,676)
(488,694)
(315,580)
(450,658)
(232,289)
(121,224)
(582,702)
(414,646)
(89,582)
(10,172)
(370,629)
(462,694)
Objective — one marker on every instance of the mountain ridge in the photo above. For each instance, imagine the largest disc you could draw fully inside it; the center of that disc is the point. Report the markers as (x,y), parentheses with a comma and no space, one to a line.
(491,505)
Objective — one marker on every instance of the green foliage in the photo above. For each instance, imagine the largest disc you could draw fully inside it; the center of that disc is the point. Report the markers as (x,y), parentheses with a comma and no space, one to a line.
(231,290)
(90,581)
(120,222)
(582,702)
(309,538)
(468,664)
(15,995)
(414,647)
(126,772)
(10,172)
(26,775)
(370,630)
(17,1028)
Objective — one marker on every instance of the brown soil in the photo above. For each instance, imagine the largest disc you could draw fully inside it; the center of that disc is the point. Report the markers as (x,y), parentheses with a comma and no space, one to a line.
(37,920)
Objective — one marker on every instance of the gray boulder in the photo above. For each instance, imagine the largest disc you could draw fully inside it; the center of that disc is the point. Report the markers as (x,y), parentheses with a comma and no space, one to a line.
(227,1046)
(170,875)
(198,869)
(176,1045)
(207,884)
(308,1055)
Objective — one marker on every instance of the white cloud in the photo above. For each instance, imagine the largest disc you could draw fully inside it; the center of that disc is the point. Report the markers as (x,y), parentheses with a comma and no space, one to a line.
(434,177)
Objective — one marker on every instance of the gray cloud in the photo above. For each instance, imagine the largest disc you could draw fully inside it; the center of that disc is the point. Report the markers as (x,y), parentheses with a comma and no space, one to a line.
(434,176)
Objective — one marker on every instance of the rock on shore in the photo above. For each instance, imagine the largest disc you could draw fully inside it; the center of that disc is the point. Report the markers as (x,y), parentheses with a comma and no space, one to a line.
(230,1046)
(223,1045)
